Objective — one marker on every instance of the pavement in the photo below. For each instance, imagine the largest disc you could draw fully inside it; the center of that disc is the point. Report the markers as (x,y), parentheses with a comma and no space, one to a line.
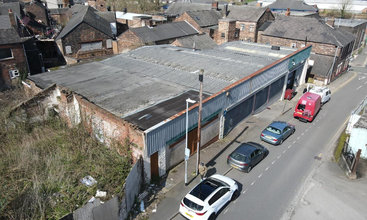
(321,196)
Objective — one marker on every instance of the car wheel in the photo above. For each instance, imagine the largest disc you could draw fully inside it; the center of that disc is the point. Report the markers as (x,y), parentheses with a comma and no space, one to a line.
(281,141)
(249,169)
(212,216)
(294,130)
(235,195)
(266,154)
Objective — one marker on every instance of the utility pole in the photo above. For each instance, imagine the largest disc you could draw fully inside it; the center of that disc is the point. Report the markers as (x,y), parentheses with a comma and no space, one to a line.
(201,77)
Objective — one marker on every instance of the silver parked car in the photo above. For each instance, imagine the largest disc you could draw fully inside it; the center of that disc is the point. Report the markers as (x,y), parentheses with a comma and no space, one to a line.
(277,132)
(246,156)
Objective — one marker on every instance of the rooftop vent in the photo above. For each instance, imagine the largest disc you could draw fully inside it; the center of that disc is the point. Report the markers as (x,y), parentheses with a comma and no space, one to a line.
(275,47)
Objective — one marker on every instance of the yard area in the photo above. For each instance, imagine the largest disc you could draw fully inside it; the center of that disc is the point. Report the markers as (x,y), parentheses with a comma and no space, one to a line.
(42,163)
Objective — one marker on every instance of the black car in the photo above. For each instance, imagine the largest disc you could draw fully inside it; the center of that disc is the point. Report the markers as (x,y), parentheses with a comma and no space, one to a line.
(246,156)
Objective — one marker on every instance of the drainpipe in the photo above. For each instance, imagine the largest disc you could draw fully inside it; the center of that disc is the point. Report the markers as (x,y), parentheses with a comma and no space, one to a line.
(332,66)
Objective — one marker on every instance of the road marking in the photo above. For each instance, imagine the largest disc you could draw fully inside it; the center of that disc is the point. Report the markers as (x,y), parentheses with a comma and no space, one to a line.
(320,154)
(313,123)
(260,175)
(361,77)
(244,191)
(359,87)
(289,146)
(317,120)
(294,142)
(273,162)
(284,151)
(279,156)
(365,82)
(302,134)
(298,138)
(225,211)
(267,168)
(253,183)
(310,127)
(306,130)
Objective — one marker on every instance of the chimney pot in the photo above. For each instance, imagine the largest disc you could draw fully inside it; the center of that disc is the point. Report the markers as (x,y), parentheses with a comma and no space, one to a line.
(10,11)
(215,6)
(288,12)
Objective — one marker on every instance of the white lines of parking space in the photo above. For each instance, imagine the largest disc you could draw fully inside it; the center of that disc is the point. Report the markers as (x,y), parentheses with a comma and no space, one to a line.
(361,77)
(320,116)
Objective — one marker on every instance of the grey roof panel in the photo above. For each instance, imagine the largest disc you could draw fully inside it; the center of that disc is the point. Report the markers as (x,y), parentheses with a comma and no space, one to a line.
(316,31)
(322,64)
(16,7)
(202,42)
(87,15)
(205,18)
(246,13)
(164,31)
(296,5)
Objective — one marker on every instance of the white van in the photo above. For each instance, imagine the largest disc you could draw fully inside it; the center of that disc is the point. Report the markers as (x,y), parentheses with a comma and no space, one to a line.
(324,92)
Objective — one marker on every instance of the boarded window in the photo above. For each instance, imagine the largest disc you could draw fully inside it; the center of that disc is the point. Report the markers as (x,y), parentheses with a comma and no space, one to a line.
(92,46)
(68,49)
(109,43)
(252,28)
(5,53)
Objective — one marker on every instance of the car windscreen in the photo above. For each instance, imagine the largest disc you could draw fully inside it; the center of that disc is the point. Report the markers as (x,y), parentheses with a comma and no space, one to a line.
(301,107)
(238,156)
(192,205)
(273,130)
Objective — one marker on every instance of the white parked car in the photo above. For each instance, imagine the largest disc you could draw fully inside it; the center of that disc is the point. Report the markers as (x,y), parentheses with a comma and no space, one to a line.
(207,198)
(324,92)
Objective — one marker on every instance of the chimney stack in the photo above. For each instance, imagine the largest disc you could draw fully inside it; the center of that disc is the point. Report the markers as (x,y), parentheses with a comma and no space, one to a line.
(12,19)
(225,10)
(215,6)
(330,22)
(288,12)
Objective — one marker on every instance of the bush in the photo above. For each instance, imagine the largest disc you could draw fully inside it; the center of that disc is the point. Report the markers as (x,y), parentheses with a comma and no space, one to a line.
(343,137)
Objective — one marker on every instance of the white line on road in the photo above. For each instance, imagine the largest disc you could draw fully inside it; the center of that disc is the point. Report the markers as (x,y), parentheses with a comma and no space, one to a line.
(267,168)
(310,127)
(289,146)
(302,133)
(260,175)
(313,123)
(298,138)
(306,130)
(365,82)
(279,156)
(273,162)
(317,120)
(225,211)
(294,142)
(284,151)
(253,183)
(359,87)
(244,191)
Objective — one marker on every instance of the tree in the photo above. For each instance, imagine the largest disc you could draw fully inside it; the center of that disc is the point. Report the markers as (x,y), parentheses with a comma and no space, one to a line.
(344,7)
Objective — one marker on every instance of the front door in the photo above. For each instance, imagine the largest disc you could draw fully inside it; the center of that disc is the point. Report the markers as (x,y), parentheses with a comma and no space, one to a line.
(154,166)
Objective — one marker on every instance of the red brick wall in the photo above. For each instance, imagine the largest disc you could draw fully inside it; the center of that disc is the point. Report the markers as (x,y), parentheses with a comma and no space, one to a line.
(325,49)
(228,28)
(128,41)
(18,62)
(84,33)
(186,17)
(246,34)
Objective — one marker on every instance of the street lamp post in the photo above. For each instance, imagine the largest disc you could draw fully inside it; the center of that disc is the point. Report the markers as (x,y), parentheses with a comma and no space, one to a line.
(187,151)
(201,78)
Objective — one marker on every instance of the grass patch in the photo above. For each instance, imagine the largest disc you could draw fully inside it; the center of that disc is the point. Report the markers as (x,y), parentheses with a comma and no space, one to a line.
(343,137)
(43,162)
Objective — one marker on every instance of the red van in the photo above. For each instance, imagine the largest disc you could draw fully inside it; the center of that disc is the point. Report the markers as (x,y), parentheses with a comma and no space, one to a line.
(307,107)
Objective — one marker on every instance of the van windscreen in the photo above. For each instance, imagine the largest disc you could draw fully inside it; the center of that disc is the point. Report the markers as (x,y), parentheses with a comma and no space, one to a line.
(301,107)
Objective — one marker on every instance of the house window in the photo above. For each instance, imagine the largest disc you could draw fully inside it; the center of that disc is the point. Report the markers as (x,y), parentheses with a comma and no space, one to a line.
(223,35)
(242,27)
(293,45)
(252,27)
(6,53)
(91,46)
(236,34)
(109,43)
(68,49)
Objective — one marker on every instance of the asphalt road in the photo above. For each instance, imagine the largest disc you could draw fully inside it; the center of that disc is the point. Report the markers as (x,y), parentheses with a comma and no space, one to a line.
(269,189)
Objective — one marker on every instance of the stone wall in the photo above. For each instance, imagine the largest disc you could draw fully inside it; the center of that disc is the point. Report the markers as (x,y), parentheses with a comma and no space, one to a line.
(128,41)
(226,31)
